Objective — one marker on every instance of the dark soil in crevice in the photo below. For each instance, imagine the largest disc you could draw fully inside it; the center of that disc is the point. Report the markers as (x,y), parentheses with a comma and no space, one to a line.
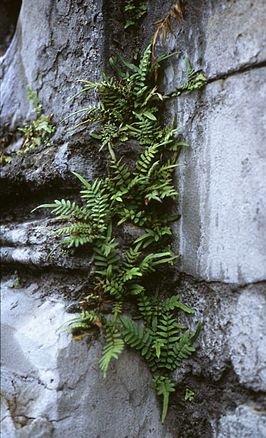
(213,399)
(9,12)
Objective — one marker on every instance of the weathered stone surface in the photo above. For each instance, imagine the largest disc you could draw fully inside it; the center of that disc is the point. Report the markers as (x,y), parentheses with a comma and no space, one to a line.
(52,386)
(222,188)
(35,244)
(245,422)
(55,44)
(214,307)
(219,37)
(233,331)
(234,35)
(46,168)
(248,338)
(51,62)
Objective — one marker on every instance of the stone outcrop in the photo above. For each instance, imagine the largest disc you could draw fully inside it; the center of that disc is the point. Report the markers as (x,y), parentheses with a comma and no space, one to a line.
(51,384)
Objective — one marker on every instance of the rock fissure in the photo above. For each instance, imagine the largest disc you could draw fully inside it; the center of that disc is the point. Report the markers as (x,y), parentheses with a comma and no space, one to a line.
(241,70)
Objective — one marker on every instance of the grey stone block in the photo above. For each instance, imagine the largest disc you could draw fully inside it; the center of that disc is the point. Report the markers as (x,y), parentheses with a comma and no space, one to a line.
(51,61)
(233,332)
(248,338)
(222,187)
(35,244)
(245,422)
(214,306)
(52,384)
(234,35)
(219,37)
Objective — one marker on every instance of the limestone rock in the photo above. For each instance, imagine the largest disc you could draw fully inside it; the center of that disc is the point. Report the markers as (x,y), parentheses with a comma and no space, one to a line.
(248,338)
(52,386)
(245,422)
(222,189)
(35,243)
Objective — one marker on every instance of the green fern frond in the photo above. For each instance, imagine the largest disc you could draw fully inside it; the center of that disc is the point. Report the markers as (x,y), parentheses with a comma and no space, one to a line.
(183,348)
(168,327)
(142,75)
(145,307)
(117,309)
(85,320)
(152,260)
(151,236)
(120,173)
(131,257)
(134,11)
(161,190)
(97,203)
(112,284)
(173,302)
(135,289)
(137,337)
(144,162)
(138,218)
(157,345)
(164,386)
(106,257)
(131,273)
(66,209)
(114,346)
(196,80)
(166,336)
(77,234)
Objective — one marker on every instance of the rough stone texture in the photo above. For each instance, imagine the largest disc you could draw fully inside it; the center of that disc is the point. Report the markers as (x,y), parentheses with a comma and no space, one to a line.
(51,384)
(245,422)
(234,35)
(55,44)
(49,167)
(234,331)
(248,338)
(35,243)
(222,190)
(221,37)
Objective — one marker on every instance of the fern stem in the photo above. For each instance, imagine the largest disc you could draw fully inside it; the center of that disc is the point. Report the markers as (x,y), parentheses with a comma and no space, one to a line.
(165,406)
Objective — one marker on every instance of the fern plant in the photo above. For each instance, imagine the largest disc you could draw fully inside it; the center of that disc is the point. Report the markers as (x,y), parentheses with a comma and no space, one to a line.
(35,133)
(161,341)
(40,130)
(134,10)
(135,191)
(195,81)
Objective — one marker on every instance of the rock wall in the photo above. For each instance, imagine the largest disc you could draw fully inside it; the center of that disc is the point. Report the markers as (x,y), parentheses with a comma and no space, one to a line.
(51,384)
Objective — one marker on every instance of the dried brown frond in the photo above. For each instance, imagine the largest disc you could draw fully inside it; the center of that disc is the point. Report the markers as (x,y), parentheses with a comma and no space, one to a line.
(166,25)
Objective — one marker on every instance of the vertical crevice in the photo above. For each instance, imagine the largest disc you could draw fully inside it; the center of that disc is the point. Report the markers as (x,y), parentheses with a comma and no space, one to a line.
(9,12)
(117,39)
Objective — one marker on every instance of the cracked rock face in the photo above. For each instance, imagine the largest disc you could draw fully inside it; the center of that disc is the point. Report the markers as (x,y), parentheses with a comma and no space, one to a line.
(51,383)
